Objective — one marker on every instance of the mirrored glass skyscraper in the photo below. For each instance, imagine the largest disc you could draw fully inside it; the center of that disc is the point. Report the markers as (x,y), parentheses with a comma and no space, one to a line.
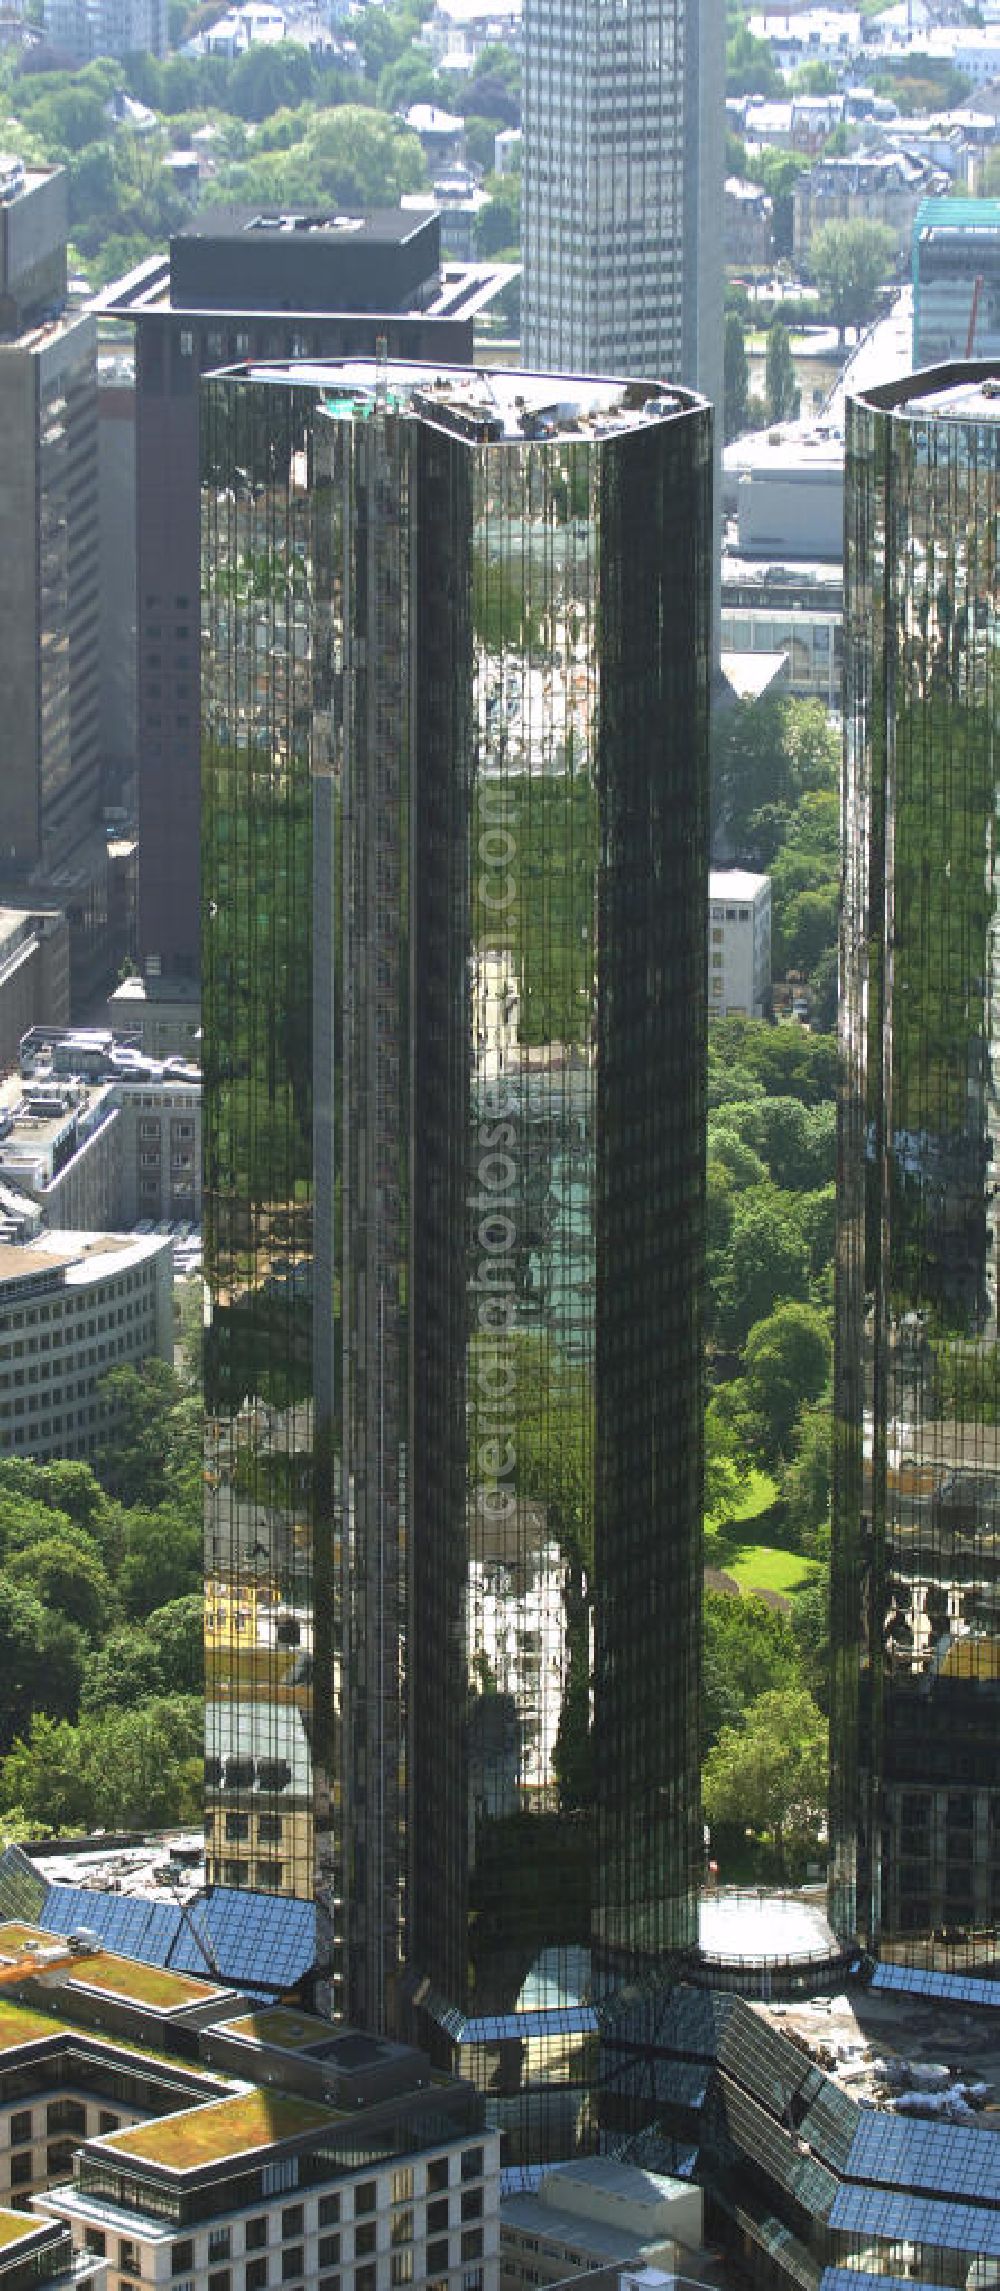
(455,668)
(916,1579)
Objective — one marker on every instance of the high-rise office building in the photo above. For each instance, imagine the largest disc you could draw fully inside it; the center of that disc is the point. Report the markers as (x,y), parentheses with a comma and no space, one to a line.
(455,658)
(916,1578)
(51,839)
(624,163)
(237,283)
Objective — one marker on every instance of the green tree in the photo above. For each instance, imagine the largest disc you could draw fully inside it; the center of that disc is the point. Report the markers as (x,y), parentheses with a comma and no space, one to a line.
(41,1660)
(850,262)
(144,1445)
(498,225)
(818,1222)
(736,377)
(361,159)
(116,1769)
(781,390)
(810,1617)
(177,1632)
(269,78)
(786,1363)
(731,1150)
(411,79)
(68,1576)
(727,1466)
(769,1773)
(767,1266)
(809,926)
(121,1674)
(766,755)
(806,1477)
(799,1143)
(815,78)
(782,1060)
(750,66)
(163,1560)
(749,1650)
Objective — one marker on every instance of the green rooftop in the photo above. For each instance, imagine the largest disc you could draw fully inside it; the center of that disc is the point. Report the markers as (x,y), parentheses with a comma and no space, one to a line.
(21,2024)
(141,1984)
(16,2225)
(291,2032)
(14,1938)
(226,2128)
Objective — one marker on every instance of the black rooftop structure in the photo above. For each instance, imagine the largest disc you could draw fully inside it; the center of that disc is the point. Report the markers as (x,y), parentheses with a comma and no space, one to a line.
(243,258)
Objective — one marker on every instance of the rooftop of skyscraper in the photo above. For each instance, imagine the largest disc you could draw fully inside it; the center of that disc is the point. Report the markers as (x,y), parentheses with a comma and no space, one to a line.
(964,390)
(483,404)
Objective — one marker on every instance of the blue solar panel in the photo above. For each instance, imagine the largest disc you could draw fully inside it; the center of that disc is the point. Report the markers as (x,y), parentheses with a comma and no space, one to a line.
(266,1939)
(951,1988)
(911,2152)
(557,2020)
(131,1926)
(259,1941)
(859,2279)
(920,2219)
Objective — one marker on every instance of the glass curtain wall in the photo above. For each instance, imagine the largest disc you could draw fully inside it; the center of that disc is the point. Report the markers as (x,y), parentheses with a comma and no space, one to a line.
(916,1607)
(455,877)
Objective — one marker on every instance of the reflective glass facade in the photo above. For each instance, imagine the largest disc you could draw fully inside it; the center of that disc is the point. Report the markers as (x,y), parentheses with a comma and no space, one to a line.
(916,1596)
(455,678)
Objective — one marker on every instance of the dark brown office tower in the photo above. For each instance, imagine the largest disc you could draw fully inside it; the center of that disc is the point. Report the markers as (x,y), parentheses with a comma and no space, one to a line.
(237,284)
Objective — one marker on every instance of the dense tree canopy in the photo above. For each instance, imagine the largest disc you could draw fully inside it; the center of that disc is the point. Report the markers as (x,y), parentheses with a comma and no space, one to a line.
(850,263)
(101,1632)
(769,1772)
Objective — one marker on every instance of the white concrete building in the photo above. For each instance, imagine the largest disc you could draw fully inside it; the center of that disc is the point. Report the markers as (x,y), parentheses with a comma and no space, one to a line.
(739,944)
(73,1306)
(457,31)
(190,2140)
(595,2213)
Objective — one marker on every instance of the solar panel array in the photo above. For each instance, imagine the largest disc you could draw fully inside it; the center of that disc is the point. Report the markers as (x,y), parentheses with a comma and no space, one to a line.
(755,2132)
(261,1941)
(127,1923)
(265,1938)
(554,2020)
(912,2152)
(22,1891)
(951,1988)
(859,2279)
(920,2219)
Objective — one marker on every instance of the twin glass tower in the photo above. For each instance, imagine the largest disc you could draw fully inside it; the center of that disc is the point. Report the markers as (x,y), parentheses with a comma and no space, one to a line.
(915,1717)
(456,634)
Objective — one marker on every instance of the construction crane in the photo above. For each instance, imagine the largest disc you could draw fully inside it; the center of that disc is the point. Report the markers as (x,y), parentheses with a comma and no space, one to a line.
(977,289)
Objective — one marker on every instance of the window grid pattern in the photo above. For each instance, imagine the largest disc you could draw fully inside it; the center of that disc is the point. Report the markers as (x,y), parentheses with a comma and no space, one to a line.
(915,1796)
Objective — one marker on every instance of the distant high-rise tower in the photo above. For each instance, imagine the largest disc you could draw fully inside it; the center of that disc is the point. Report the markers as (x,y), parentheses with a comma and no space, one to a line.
(52,842)
(236,284)
(916,1574)
(455,640)
(624,164)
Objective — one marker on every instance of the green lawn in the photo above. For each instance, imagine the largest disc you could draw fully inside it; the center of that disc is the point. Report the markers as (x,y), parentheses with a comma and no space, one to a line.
(756,1566)
(762,1567)
(758,1495)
